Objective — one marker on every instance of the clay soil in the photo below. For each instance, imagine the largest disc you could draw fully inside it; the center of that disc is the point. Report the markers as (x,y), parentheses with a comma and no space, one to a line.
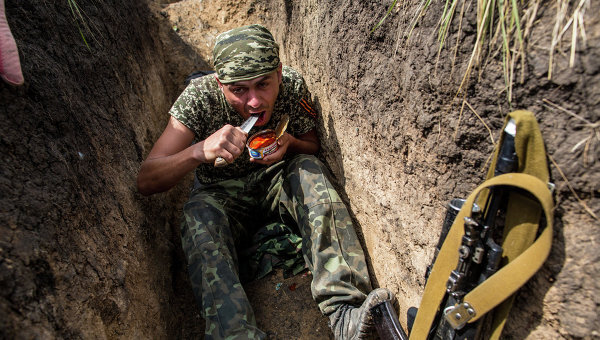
(83,255)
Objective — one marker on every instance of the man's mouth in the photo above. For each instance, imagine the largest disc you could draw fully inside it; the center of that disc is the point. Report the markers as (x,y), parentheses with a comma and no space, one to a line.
(261,117)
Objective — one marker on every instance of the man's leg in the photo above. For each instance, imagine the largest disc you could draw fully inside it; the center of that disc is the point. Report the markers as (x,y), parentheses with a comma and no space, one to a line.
(340,277)
(208,236)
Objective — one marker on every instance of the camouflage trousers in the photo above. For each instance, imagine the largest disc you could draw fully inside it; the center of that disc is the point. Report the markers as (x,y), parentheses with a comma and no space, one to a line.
(219,217)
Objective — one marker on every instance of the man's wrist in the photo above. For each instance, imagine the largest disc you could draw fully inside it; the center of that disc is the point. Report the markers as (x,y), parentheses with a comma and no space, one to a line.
(198,153)
(291,141)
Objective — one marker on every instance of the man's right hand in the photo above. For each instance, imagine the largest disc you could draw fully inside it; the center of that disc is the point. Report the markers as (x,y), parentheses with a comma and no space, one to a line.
(228,142)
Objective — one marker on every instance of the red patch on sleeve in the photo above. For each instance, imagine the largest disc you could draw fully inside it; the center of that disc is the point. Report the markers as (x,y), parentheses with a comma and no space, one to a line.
(306,106)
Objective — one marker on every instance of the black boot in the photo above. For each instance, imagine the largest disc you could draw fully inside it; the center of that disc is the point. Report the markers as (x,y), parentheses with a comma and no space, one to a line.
(353,323)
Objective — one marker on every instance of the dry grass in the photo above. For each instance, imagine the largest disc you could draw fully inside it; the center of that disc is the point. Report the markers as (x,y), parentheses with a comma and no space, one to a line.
(503,28)
(563,22)
(581,202)
(590,143)
(465,102)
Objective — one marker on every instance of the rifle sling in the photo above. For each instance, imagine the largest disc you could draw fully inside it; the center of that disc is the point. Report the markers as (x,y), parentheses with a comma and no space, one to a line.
(508,279)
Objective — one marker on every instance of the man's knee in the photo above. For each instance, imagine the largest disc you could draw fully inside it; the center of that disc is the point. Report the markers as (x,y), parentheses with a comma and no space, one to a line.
(306,163)
(308,180)
(205,208)
(204,220)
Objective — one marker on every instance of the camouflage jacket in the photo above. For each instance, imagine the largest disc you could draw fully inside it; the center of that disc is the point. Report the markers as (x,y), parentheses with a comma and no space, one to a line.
(203,109)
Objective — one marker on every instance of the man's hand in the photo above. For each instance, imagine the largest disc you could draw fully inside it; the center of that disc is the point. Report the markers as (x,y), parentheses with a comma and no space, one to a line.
(307,143)
(172,157)
(284,142)
(228,142)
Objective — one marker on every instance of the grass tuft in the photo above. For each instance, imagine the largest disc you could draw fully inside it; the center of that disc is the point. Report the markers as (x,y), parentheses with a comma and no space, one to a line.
(81,21)
(563,22)
(502,28)
(385,16)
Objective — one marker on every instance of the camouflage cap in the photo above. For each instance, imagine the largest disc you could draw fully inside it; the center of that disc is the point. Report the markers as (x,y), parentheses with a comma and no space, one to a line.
(245,53)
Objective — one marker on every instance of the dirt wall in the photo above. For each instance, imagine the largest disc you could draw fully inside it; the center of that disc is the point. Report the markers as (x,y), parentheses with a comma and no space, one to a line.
(82,255)
(401,154)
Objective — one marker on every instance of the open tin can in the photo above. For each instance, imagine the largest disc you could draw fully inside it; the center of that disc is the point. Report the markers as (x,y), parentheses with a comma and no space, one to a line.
(262,143)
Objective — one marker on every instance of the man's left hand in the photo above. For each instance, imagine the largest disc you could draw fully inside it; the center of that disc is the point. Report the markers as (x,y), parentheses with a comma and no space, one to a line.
(284,142)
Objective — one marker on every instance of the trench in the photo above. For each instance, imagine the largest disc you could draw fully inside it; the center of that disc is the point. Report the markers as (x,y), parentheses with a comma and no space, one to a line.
(83,255)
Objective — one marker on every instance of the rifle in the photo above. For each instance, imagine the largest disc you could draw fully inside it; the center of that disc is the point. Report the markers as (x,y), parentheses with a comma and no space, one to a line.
(479,258)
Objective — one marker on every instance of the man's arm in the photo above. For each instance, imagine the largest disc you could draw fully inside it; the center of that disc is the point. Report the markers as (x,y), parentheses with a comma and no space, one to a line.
(307,143)
(172,157)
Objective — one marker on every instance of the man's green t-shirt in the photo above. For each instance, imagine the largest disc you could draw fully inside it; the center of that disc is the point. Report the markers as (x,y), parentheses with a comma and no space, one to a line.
(203,109)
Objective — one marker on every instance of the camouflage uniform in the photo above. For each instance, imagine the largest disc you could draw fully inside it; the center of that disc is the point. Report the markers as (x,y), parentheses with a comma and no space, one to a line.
(245,53)
(233,202)
(218,217)
(203,109)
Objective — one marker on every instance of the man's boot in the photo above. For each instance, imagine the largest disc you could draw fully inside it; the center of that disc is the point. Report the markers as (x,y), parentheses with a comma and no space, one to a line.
(352,323)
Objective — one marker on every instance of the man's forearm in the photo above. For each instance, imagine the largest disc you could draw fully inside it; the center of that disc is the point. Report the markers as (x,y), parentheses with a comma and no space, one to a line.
(307,143)
(162,173)
(303,146)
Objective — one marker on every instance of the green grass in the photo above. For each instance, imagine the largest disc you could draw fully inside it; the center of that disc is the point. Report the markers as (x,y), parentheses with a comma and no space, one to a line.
(385,16)
(503,26)
(80,21)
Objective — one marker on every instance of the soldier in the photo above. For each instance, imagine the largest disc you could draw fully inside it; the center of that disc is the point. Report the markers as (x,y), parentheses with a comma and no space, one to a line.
(229,203)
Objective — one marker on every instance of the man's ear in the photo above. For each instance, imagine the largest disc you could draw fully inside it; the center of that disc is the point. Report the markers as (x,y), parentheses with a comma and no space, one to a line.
(219,82)
(279,73)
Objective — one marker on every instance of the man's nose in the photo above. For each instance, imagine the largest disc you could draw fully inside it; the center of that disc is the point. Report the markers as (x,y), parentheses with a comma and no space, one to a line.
(253,99)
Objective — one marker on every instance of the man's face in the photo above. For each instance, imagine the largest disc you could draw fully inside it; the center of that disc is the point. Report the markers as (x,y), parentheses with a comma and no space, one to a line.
(254,96)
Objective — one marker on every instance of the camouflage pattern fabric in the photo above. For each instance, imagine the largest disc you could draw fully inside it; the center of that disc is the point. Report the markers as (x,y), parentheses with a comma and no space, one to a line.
(245,53)
(273,246)
(203,109)
(220,217)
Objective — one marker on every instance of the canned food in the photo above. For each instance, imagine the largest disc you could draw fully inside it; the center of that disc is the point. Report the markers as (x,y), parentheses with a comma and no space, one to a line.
(262,143)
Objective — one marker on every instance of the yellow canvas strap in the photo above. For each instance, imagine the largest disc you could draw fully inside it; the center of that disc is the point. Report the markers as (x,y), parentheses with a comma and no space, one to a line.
(522,217)
(529,146)
(503,283)
(522,257)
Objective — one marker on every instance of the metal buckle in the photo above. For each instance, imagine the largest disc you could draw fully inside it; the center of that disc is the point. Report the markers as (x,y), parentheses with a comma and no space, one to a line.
(458,315)
(551,187)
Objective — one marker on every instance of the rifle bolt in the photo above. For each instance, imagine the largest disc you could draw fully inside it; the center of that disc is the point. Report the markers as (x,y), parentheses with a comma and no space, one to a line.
(463,252)
(478,256)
